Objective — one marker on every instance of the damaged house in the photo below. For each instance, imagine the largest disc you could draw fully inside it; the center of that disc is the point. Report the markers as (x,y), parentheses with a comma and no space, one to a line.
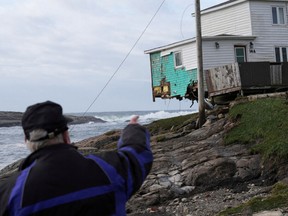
(245,45)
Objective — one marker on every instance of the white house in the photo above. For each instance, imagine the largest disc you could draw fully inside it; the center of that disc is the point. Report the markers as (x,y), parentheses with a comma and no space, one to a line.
(233,31)
(265,20)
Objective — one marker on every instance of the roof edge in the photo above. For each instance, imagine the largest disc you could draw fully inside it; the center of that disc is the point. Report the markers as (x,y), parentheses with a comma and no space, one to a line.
(204,38)
(168,46)
(230,37)
(220,6)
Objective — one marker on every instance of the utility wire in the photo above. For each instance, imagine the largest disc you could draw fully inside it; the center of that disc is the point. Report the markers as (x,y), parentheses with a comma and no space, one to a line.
(181,22)
(120,65)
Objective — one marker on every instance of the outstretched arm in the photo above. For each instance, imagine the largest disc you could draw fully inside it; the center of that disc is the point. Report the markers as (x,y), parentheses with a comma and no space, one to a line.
(133,159)
(134,145)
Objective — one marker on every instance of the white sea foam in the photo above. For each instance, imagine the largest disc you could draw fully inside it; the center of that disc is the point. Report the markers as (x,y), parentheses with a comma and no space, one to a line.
(144,116)
(12,145)
(147,118)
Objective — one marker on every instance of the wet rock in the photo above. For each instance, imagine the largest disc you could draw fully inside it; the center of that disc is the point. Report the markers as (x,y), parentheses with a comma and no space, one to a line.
(9,119)
(84,119)
(104,141)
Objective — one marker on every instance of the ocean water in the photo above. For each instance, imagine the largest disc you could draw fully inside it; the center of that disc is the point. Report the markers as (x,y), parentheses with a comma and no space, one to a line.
(12,147)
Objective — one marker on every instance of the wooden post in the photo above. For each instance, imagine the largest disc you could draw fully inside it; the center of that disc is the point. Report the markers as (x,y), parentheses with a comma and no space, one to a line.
(201,105)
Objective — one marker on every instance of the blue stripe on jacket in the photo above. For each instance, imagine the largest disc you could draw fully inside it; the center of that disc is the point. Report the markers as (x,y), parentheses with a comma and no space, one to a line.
(15,199)
(142,158)
(67,198)
(118,184)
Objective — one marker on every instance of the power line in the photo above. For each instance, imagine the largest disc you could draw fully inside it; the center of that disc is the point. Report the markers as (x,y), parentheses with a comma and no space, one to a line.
(181,22)
(120,65)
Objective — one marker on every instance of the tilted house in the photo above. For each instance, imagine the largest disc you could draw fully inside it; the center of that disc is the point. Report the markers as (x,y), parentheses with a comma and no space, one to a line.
(235,31)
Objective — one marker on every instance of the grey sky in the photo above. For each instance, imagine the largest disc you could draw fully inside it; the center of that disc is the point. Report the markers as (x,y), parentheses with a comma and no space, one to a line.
(67,50)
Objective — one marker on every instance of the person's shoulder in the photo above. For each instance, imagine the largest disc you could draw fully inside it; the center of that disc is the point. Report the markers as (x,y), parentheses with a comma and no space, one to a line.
(9,177)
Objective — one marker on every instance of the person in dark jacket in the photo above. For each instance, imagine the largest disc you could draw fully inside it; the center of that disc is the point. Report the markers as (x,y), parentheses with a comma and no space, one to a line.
(55,179)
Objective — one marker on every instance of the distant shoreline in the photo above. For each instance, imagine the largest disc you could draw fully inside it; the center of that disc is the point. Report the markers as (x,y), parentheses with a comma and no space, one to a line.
(11,119)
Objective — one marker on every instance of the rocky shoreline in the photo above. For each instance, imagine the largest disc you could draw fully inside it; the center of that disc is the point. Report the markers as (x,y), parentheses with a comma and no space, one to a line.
(10,119)
(194,173)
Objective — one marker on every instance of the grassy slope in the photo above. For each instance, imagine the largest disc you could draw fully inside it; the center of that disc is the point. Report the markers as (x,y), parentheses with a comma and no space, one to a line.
(263,122)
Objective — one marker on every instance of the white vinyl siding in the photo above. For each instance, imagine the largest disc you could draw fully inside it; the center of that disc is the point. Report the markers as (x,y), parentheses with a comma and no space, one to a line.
(188,53)
(268,34)
(189,56)
(225,54)
(234,20)
(253,18)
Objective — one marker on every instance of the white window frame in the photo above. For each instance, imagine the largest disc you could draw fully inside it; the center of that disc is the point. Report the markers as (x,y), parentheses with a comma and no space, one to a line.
(282,57)
(280,20)
(178,54)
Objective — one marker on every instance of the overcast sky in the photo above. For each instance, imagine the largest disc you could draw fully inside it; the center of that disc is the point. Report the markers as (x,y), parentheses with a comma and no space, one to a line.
(67,50)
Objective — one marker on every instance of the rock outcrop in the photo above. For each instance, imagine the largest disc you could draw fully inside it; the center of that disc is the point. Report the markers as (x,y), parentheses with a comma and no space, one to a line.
(10,119)
(185,168)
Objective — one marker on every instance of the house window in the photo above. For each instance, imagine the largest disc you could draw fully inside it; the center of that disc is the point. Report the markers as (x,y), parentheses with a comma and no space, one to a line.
(178,59)
(281,54)
(240,54)
(278,15)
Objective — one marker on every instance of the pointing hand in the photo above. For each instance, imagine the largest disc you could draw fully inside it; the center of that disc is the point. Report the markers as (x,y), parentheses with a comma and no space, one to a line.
(134,119)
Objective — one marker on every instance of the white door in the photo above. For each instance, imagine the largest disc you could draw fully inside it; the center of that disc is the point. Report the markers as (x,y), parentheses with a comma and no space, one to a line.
(240,53)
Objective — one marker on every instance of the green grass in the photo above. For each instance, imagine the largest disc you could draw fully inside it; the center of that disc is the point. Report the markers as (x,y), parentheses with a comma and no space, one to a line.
(264,123)
(170,124)
(277,199)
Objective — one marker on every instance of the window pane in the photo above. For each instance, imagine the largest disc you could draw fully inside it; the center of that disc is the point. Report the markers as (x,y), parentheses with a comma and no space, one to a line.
(281,15)
(178,59)
(277,54)
(274,15)
(239,52)
(284,54)
(240,59)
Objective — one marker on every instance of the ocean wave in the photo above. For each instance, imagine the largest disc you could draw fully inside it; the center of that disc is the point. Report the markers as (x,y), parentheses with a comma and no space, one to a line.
(12,146)
(11,152)
(162,115)
(144,116)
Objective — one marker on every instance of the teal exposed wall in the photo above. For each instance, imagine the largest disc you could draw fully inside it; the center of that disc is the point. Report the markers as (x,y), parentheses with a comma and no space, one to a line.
(179,78)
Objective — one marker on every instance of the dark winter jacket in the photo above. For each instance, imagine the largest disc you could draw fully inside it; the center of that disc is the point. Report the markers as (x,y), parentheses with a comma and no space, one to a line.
(58,180)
